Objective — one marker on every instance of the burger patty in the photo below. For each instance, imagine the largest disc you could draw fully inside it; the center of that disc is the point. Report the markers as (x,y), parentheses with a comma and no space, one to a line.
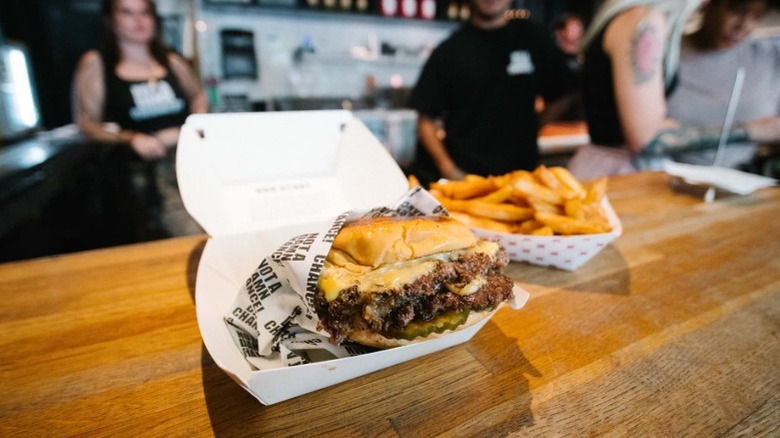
(422,300)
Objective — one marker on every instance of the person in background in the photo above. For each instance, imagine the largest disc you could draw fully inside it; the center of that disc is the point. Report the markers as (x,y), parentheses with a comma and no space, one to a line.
(135,93)
(476,95)
(709,60)
(631,54)
(568,30)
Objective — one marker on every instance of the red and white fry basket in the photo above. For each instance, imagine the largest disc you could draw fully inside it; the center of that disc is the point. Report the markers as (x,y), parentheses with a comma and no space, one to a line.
(562,252)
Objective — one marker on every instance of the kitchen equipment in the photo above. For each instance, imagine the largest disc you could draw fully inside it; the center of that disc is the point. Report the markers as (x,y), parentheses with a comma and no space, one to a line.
(395,129)
(238,54)
(19,111)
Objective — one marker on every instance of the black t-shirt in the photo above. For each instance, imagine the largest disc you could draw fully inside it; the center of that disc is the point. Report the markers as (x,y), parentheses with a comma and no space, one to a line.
(483,84)
(144,106)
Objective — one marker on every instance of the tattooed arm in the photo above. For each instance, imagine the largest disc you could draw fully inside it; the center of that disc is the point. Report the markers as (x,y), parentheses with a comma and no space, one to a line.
(634,41)
(88,99)
(637,65)
(687,138)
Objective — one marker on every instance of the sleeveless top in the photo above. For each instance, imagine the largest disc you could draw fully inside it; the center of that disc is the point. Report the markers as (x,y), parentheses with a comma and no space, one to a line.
(601,111)
(144,106)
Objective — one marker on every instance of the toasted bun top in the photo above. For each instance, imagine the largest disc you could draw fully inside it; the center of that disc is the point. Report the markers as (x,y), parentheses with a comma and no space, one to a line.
(378,241)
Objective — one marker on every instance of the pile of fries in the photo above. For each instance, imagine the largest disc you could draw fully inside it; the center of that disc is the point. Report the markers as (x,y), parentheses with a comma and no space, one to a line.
(548,201)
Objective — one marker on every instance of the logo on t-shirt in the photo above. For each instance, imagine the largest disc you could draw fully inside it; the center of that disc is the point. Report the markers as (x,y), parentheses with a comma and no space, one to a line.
(154,99)
(520,63)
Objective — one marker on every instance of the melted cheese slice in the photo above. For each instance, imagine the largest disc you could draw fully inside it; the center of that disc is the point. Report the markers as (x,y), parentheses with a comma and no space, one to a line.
(335,278)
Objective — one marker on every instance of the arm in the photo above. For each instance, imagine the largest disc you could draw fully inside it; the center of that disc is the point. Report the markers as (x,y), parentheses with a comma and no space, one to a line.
(190,84)
(427,129)
(88,99)
(637,67)
(639,90)
(687,138)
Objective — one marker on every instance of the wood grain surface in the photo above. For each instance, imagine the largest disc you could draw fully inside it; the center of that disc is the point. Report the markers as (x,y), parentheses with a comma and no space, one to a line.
(672,330)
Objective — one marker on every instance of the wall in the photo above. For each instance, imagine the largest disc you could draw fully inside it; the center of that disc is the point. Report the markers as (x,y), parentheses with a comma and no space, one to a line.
(345,51)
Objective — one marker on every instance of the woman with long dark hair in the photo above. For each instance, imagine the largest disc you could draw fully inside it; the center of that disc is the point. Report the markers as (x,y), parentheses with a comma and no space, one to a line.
(135,82)
(136,92)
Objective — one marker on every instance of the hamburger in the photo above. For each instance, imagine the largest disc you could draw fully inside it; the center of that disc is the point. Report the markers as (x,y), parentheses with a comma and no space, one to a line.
(389,282)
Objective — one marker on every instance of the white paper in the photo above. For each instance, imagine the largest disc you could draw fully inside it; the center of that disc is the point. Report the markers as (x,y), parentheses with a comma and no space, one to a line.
(273,320)
(724,178)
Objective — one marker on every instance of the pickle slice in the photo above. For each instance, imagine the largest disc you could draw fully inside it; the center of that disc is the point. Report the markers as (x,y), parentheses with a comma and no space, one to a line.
(439,324)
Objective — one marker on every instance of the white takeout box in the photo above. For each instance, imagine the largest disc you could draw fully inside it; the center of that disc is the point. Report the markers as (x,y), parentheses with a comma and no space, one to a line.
(253,180)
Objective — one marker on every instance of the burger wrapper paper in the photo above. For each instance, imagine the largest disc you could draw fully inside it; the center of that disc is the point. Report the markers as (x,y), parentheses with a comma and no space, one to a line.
(273,320)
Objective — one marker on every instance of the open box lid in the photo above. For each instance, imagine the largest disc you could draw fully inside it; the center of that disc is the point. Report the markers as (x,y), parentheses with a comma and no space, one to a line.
(242,172)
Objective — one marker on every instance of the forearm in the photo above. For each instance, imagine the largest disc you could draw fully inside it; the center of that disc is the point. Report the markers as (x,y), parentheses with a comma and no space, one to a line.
(168,136)
(688,138)
(199,104)
(103,133)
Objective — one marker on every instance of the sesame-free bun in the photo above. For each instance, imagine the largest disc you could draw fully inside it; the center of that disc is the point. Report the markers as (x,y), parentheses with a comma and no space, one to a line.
(376,340)
(378,241)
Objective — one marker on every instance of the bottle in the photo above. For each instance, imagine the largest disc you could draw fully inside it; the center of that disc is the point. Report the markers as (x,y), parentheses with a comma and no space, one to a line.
(453,10)
(465,11)
(408,8)
(212,85)
(361,6)
(427,10)
(388,8)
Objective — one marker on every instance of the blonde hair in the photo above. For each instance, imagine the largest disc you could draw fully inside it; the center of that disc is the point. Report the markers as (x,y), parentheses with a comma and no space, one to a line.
(677,13)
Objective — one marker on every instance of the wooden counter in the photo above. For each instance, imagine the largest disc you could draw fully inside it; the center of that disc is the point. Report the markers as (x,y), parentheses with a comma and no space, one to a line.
(672,330)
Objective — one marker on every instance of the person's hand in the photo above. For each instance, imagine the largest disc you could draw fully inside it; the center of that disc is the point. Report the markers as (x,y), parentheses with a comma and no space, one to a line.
(147,147)
(768,149)
(453,173)
(766,130)
(168,136)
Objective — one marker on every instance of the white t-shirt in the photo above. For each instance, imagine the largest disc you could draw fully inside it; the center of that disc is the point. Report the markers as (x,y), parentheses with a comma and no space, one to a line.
(706,81)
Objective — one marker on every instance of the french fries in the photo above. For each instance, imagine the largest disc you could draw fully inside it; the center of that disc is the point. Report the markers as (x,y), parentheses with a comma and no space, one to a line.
(490,210)
(470,187)
(548,201)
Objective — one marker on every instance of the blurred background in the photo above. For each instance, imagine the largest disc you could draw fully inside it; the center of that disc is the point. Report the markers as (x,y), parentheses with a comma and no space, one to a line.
(250,55)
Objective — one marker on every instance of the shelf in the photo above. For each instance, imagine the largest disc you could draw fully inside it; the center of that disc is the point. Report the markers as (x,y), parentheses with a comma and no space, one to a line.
(325,15)
(345,58)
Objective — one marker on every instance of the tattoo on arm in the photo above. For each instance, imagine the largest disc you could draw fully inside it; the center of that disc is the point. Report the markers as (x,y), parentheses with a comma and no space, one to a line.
(646,52)
(686,138)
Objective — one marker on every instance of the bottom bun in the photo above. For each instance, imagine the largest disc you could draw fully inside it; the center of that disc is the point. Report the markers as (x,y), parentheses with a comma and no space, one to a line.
(374,339)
